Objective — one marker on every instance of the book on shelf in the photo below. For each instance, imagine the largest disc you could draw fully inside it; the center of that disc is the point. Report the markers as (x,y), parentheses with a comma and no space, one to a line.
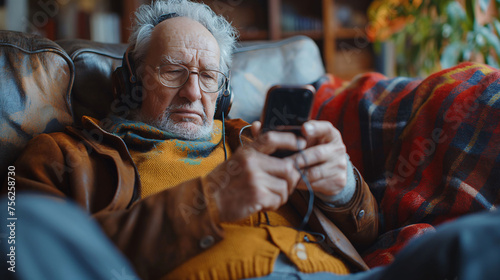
(83,22)
(105,27)
(292,21)
(83,25)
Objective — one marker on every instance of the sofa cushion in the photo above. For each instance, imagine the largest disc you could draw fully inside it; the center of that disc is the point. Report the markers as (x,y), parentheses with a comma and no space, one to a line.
(259,66)
(94,63)
(36,79)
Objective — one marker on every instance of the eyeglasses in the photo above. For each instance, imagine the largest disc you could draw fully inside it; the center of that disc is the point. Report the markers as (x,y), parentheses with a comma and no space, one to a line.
(176,75)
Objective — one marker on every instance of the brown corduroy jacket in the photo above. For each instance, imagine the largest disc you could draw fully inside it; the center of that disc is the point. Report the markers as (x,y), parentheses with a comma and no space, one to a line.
(94,168)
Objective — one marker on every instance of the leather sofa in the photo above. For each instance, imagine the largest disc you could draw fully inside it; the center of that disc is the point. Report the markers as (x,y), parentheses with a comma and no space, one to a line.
(47,85)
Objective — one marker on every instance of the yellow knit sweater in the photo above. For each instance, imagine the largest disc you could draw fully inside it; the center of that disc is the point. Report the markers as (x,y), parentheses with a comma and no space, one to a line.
(175,161)
(251,246)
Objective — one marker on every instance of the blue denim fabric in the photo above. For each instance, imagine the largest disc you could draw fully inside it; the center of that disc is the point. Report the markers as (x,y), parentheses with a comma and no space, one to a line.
(467,248)
(54,239)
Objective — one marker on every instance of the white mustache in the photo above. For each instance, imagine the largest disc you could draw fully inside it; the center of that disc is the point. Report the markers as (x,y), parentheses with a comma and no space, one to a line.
(186,106)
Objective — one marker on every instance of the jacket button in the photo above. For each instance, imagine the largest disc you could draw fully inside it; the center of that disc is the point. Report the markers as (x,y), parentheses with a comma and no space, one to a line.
(361,213)
(207,242)
(300,251)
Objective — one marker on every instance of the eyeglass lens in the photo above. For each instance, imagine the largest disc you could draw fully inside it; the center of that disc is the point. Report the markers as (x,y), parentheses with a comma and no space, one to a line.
(174,75)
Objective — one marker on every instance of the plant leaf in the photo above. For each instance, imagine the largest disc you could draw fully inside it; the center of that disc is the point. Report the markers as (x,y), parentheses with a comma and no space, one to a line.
(490,60)
(484,4)
(455,12)
(450,55)
(469,9)
(496,24)
(491,38)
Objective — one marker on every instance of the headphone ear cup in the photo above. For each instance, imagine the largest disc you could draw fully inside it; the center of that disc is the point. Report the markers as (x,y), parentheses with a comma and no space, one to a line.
(224,102)
(125,84)
(121,85)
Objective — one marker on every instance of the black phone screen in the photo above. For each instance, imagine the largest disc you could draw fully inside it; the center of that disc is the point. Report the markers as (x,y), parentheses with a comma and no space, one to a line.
(287,108)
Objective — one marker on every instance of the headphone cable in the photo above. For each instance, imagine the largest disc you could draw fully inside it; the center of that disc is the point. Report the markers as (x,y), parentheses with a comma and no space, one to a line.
(310,205)
(224,137)
(241,131)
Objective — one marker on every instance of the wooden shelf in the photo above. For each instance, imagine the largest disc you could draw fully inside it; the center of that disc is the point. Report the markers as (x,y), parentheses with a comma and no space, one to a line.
(313,34)
(327,37)
(254,35)
(333,33)
(349,33)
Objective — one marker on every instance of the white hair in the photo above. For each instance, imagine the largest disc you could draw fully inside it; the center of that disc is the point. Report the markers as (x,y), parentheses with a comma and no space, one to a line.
(147,15)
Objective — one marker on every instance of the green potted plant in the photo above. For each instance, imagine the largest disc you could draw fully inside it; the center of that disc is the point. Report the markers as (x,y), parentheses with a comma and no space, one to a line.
(433,34)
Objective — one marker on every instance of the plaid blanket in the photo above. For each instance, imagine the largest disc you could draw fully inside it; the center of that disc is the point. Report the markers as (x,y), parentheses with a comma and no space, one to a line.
(428,148)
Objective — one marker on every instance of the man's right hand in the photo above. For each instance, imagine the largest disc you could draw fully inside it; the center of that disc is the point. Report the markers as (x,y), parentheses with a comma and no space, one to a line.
(251,180)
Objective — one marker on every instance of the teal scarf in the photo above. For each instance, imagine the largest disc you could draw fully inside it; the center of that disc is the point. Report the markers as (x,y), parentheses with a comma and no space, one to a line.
(143,137)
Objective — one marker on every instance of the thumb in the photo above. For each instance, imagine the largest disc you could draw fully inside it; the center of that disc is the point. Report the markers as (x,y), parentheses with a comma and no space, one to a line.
(256,125)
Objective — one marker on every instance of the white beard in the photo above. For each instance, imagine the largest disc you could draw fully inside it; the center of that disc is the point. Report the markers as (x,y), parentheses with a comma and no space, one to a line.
(183,130)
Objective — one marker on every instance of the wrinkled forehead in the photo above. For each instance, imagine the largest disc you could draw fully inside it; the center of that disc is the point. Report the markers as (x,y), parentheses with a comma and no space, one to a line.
(186,41)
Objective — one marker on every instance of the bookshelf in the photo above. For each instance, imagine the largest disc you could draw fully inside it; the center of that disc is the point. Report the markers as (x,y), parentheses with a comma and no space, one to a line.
(336,25)
(99,20)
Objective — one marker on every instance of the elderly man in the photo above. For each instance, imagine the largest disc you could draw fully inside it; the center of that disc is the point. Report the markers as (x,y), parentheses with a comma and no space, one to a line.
(158,183)
(175,199)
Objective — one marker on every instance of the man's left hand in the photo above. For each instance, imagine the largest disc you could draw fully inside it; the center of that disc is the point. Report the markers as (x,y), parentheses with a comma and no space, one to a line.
(324,159)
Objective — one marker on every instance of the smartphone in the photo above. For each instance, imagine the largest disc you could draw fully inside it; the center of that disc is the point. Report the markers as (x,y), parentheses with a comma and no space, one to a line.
(286,109)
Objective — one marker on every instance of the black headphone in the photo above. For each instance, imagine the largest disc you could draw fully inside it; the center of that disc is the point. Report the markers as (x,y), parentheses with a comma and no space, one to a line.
(125,83)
